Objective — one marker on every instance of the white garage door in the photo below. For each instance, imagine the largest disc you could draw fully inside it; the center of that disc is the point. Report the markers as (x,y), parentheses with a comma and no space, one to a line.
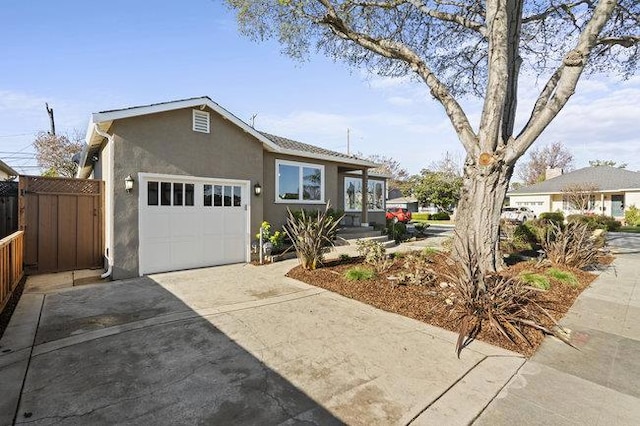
(188,222)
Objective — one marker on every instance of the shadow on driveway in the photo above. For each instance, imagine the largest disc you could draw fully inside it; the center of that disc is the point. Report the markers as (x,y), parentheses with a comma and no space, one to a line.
(134,353)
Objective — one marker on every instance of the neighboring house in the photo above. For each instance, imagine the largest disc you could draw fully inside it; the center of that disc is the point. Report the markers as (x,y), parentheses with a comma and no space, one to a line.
(6,172)
(410,203)
(203,182)
(612,190)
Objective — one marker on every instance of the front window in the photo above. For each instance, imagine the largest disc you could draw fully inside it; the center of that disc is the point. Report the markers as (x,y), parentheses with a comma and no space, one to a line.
(353,194)
(303,183)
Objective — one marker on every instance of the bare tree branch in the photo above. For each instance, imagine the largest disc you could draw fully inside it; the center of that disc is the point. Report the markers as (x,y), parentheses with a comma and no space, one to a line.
(449,17)
(572,67)
(565,7)
(625,41)
(395,50)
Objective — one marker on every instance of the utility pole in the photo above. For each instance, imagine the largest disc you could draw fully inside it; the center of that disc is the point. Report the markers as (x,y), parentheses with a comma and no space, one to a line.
(53,124)
(253,120)
(348,150)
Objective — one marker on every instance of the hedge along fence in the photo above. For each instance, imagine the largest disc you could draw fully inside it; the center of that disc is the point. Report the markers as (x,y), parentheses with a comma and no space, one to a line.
(11,265)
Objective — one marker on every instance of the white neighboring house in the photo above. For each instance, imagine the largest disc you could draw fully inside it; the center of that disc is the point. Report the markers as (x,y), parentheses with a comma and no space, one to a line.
(617,190)
(6,172)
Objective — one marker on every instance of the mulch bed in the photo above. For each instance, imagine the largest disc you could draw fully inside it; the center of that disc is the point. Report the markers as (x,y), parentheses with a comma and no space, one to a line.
(429,303)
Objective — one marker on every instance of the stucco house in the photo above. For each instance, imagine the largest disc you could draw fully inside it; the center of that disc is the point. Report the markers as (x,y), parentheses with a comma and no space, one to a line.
(611,191)
(6,172)
(202,181)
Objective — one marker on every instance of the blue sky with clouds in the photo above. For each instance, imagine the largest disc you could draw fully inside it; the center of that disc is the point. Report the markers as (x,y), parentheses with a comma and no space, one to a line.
(83,57)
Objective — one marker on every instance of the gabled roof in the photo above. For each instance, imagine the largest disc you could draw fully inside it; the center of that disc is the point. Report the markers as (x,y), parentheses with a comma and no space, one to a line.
(101,121)
(606,178)
(7,169)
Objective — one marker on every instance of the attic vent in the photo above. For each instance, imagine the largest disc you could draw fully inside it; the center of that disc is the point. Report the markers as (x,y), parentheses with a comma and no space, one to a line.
(200,121)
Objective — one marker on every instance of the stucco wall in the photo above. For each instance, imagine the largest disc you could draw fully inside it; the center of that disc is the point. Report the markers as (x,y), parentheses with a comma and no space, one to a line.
(632,199)
(165,143)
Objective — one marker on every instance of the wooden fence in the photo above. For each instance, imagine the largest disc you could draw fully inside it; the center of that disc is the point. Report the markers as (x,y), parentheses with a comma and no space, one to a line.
(63,223)
(11,269)
(8,208)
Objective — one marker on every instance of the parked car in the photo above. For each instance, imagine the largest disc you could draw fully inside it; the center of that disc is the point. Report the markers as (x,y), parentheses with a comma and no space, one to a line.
(403,215)
(517,214)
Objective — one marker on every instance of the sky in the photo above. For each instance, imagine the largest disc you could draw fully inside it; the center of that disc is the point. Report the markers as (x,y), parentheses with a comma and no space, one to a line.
(83,57)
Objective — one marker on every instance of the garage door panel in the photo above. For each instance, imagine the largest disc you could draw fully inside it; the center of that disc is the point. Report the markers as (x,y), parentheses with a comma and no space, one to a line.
(213,222)
(234,249)
(158,222)
(174,237)
(184,224)
(156,254)
(233,220)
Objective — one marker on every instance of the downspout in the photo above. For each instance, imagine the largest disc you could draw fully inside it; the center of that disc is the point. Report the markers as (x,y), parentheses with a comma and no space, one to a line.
(107,254)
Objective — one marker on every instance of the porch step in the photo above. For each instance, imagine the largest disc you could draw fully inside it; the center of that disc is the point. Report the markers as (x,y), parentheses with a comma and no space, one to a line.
(382,239)
(355,229)
(358,235)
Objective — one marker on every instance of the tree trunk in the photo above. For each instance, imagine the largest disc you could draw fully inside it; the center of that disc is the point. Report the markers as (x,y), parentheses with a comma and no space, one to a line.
(478,215)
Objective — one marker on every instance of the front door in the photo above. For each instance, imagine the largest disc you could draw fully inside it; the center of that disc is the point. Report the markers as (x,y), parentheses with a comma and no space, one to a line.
(617,205)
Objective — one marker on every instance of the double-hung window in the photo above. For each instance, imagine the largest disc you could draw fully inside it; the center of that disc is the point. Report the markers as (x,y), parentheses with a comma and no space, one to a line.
(299,182)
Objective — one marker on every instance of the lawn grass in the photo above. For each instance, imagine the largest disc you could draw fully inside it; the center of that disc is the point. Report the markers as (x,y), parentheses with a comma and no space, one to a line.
(563,276)
(358,274)
(630,229)
(431,222)
(535,280)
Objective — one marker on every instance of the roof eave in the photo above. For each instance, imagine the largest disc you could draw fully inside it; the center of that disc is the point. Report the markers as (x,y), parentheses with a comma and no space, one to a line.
(335,159)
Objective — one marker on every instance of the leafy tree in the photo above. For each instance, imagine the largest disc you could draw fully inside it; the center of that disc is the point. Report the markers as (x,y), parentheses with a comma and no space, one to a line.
(552,156)
(610,163)
(54,153)
(438,188)
(467,46)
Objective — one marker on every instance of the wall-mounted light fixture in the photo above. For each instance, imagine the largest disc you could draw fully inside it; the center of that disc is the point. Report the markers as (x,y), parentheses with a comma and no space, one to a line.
(128,183)
(257,189)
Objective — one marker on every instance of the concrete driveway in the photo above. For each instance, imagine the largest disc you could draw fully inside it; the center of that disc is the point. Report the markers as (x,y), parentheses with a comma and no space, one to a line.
(234,345)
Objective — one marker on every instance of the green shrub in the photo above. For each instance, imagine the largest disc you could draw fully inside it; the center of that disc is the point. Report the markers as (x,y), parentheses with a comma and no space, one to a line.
(563,276)
(312,235)
(359,274)
(526,233)
(607,223)
(535,280)
(329,211)
(440,216)
(421,227)
(397,231)
(557,217)
(374,254)
(420,216)
(276,239)
(632,216)
(344,257)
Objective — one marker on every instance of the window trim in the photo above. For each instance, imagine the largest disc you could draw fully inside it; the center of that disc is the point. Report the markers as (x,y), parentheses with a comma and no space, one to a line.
(300,166)
(370,180)
(206,114)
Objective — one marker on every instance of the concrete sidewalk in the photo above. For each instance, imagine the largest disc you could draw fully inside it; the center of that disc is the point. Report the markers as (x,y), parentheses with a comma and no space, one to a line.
(236,344)
(598,384)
